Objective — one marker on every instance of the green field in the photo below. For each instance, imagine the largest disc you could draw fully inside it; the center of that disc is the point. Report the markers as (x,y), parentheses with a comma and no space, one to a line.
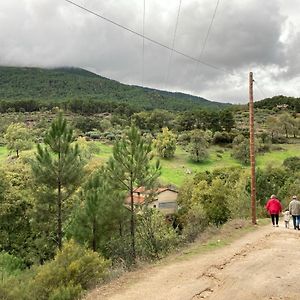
(3,154)
(176,170)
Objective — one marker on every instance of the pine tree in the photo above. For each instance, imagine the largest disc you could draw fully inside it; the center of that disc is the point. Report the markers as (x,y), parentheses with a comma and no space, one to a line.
(58,166)
(99,212)
(130,167)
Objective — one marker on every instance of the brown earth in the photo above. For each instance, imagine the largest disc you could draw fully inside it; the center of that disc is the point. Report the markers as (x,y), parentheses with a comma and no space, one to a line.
(263,264)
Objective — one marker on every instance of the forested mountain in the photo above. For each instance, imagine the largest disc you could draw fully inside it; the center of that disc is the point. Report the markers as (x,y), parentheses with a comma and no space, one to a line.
(279,102)
(68,84)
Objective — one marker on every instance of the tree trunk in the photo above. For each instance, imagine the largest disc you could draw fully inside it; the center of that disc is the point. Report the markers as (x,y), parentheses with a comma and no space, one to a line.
(59,221)
(272,136)
(132,225)
(17,153)
(120,229)
(59,203)
(94,236)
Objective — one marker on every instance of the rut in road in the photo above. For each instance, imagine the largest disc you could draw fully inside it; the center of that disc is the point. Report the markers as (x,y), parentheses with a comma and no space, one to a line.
(264,264)
(211,272)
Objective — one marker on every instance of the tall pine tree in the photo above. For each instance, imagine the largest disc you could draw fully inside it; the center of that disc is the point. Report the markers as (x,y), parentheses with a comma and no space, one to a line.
(58,166)
(99,211)
(130,167)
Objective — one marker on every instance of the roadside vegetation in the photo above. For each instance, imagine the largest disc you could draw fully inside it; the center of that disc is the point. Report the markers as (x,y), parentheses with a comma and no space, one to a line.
(64,178)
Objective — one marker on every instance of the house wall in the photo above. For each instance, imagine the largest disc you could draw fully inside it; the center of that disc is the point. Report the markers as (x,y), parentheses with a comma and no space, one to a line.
(167,202)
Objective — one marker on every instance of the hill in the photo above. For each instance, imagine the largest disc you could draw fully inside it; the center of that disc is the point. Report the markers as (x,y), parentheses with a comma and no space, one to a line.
(279,102)
(61,84)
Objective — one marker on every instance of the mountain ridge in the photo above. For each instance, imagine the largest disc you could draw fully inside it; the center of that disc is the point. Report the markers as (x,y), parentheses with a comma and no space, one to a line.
(63,83)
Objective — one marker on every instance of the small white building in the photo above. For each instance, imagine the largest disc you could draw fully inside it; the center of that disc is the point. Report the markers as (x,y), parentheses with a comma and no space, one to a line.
(163,199)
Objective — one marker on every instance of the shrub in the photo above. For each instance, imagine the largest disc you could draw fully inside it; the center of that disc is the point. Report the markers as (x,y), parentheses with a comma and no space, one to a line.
(198,145)
(68,292)
(110,136)
(214,199)
(264,143)
(239,198)
(184,139)
(279,140)
(17,286)
(93,134)
(155,236)
(119,250)
(10,265)
(292,163)
(221,138)
(194,222)
(73,267)
(166,143)
(241,149)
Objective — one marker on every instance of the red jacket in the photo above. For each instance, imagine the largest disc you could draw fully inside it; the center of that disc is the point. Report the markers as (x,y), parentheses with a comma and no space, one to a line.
(273,206)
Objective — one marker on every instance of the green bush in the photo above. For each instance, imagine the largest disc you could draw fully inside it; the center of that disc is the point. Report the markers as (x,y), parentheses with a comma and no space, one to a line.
(239,198)
(194,222)
(213,198)
(155,237)
(166,143)
(221,138)
(292,163)
(66,292)
(10,265)
(73,267)
(119,250)
(17,286)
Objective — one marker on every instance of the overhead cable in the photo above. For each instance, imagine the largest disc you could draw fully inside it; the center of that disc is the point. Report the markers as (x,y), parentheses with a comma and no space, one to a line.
(260,89)
(209,30)
(173,41)
(146,37)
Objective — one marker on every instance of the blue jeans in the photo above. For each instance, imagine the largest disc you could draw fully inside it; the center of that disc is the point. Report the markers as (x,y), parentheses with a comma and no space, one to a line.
(296,222)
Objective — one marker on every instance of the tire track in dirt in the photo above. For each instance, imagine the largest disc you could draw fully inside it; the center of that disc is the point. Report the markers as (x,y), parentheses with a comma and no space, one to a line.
(246,269)
(210,273)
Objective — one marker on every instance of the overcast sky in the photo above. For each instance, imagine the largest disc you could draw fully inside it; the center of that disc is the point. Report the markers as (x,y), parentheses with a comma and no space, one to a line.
(256,35)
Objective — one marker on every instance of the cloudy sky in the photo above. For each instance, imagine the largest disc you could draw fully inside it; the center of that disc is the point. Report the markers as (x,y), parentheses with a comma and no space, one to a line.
(246,35)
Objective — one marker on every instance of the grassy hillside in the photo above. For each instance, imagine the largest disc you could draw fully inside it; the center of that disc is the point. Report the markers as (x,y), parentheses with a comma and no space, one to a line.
(59,84)
(176,170)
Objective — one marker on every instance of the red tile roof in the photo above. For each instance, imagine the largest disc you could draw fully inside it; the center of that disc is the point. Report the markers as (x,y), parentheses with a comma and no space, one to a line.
(137,199)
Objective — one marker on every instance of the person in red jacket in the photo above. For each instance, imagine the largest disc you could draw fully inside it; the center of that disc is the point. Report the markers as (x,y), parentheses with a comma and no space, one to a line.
(274,208)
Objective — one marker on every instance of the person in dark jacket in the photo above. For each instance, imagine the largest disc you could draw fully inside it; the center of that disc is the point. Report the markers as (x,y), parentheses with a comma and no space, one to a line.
(274,208)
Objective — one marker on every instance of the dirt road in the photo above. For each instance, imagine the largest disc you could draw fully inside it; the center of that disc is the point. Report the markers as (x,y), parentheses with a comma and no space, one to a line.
(264,264)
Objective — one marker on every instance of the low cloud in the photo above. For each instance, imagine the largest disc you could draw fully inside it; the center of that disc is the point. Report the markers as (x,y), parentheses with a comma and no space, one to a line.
(246,35)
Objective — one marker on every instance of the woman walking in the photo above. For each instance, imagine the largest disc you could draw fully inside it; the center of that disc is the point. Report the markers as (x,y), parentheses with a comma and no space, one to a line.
(274,208)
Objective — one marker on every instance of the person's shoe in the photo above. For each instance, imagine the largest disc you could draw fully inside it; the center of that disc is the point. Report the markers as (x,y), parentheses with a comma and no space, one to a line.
(277,225)
(273,225)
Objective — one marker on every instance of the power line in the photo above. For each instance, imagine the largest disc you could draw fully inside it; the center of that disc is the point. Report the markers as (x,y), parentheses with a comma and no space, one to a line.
(260,89)
(145,37)
(209,29)
(173,41)
(206,37)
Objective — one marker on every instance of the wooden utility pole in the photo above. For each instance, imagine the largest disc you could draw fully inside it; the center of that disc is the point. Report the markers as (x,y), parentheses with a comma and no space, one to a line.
(252,149)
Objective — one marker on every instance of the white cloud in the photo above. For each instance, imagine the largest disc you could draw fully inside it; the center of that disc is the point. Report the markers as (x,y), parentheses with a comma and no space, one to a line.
(261,36)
